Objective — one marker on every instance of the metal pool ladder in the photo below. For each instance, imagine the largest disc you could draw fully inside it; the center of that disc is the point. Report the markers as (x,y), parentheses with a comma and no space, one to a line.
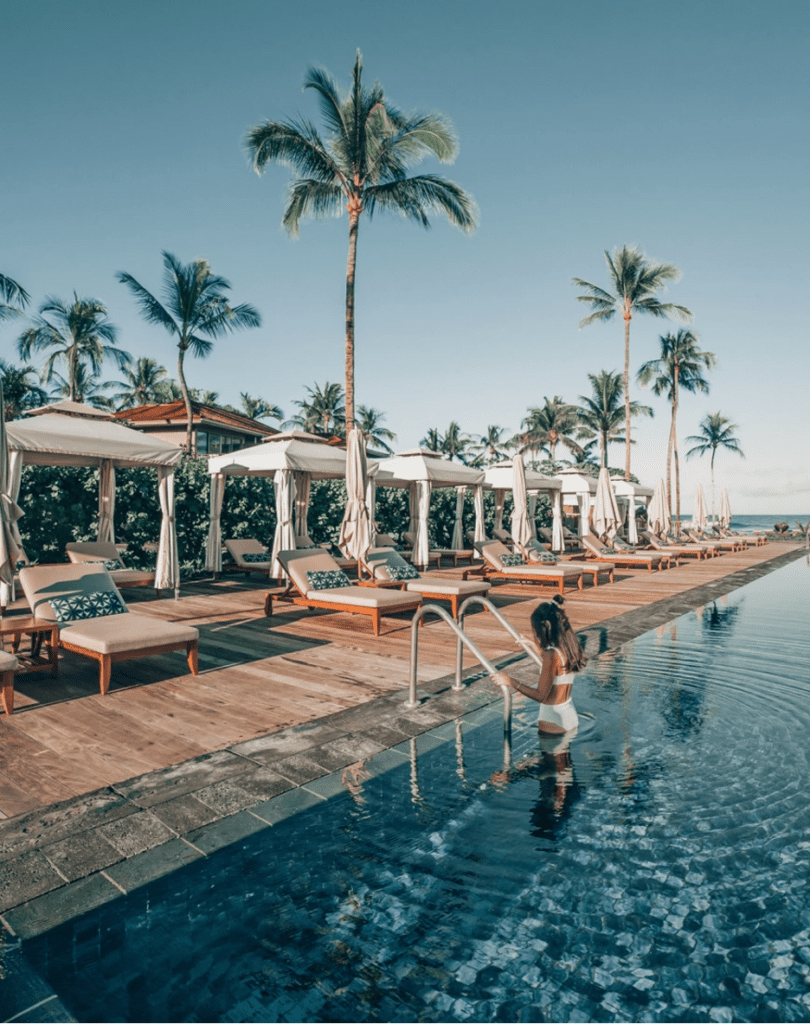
(464,641)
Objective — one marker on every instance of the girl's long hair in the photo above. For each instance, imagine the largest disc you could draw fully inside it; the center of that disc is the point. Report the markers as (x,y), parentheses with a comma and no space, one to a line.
(552,629)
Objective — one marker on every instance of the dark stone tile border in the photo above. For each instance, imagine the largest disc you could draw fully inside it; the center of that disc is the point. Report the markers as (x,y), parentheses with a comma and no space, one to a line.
(61,861)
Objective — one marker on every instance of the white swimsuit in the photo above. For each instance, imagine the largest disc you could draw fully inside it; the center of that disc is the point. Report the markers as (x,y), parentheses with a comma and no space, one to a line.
(564,715)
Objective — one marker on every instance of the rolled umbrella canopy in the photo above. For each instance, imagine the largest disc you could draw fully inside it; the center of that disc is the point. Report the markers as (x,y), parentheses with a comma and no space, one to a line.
(521,533)
(724,519)
(355,530)
(658,512)
(457,543)
(10,512)
(284,538)
(606,515)
(699,516)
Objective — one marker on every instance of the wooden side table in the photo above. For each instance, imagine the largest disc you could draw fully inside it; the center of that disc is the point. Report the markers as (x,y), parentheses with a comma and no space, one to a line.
(16,626)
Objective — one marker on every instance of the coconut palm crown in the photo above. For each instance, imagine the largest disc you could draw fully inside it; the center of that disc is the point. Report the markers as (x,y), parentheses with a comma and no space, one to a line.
(601,414)
(362,164)
(14,297)
(635,280)
(716,431)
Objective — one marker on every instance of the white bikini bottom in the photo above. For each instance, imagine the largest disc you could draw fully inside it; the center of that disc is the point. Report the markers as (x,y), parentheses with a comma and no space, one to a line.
(564,715)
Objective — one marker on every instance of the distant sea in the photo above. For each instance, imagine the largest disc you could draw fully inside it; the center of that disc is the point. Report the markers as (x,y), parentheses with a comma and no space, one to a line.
(746,523)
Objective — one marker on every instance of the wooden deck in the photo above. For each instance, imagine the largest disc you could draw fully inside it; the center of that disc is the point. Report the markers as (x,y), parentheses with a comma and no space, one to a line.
(259,675)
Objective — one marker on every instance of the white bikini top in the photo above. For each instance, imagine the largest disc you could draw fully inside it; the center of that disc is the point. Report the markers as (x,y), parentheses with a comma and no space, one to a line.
(567,678)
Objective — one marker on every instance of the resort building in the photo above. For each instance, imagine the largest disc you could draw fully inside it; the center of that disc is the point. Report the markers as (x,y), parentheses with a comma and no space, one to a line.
(215,431)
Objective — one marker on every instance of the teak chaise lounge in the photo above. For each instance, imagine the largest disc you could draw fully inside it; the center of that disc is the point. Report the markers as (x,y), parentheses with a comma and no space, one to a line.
(627,559)
(95,622)
(719,543)
(495,567)
(536,553)
(248,555)
(388,568)
(438,554)
(667,547)
(109,556)
(321,583)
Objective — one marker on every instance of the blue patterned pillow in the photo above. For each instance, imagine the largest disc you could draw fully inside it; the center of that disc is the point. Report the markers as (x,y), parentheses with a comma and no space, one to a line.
(108,563)
(512,560)
(87,606)
(622,545)
(402,572)
(256,556)
(328,579)
(548,557)
(609,551)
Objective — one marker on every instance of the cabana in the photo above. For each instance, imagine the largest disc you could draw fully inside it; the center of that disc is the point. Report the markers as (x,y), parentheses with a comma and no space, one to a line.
(578,492)
(57,439)
(501,479)
(294,459)
(422,470)
(629,495)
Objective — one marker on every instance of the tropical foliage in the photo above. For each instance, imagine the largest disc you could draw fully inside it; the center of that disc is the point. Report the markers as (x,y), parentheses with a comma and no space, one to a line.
(259,409)
(601,415)
(376,435)
(323,411)
(196,311)
(362,163)
(21,389)
(546,426)
(14,298)
(142,383)
(635,281)
(491,447)
(716,431)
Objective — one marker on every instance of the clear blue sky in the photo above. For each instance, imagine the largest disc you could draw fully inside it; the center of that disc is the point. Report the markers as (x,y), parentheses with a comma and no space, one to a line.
(681,127)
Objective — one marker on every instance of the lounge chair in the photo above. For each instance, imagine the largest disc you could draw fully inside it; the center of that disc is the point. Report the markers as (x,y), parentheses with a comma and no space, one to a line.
(572,541)
(504,537)
(666,547)
(497,565)
(95,622)
(8,663)
(536,553)
(626,559)
(439,553)
(303,542)
(388,568)
(248,555)
(317,581)
(719,543)
(110,557)
(758,539)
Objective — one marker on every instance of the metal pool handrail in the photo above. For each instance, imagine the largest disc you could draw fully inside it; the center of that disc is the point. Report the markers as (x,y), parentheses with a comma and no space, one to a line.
(462,641)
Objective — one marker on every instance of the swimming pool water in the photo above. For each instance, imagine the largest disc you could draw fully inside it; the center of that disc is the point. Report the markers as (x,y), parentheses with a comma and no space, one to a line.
(656,870)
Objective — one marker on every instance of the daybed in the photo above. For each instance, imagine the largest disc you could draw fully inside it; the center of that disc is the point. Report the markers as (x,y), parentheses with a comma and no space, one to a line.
(95,622)
(388,568)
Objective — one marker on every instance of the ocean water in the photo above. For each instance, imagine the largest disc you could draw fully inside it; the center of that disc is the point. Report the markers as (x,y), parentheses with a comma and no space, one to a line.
(749,523)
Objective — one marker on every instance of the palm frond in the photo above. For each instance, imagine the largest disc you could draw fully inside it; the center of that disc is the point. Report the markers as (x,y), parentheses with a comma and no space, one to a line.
(416,197)
(307,196)
(329,99)
(294,145)
(151,309)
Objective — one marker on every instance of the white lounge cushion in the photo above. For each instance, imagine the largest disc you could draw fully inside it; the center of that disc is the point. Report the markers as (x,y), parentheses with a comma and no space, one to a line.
(114,634)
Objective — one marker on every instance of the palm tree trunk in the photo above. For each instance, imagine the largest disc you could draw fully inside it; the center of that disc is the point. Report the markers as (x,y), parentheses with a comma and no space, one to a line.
(672,433)
(627,395)
(187,399)
(72,373)
(714,452)
(355,208)
(603,440)
(677,487)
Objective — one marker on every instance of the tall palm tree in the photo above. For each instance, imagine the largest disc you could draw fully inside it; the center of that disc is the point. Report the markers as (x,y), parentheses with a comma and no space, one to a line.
(79,335)
(21,390)
(455,443)
(679,366)
(84,386)
(15,298)
(259,409)
(141,383)
(601,414)
(635,280)
(491,446)
(433,440)
(716,431)
(323,411)
(548,425)
(362,163)
(376,435)
(196,311)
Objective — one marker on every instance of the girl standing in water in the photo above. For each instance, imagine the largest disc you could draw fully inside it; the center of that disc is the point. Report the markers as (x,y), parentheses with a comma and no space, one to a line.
(562,657)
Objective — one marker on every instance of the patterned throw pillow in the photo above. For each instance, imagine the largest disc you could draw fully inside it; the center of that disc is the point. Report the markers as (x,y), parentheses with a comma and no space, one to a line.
(402,572)
(255,556)
(328,579)
(609,551)
(511,560)
(87,606)
(108,563)
(622,545)
(548,557)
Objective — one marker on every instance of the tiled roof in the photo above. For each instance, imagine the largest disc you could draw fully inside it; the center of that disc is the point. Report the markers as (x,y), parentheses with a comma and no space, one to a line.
(175,413)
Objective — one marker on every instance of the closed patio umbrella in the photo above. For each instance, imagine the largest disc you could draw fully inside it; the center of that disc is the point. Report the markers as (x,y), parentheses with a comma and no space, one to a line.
(699,516)
(658,512)
(355,530)
(521,533)
(10,512)
(606,515)
(724,519)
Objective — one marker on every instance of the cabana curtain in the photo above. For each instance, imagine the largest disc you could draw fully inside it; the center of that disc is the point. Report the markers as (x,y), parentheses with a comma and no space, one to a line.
(302,487)
(458,527)
(213,548)
(167,573)
(421,551)
(557,536)
(479,514)
(284,539)
(106,502)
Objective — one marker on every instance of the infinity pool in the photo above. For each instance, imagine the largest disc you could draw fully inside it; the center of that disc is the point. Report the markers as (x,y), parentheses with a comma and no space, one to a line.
(655,870)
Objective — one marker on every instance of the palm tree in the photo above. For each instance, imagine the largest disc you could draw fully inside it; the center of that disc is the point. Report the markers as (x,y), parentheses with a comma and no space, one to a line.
(21,390)
(716,431)
(678,367)
(601,415)
(259,409)
(375,434)
(196,310)
(454,443)
(79,334)
(547,426)
(635,280)
(433,440)
(490,447)
(323,411)
(84,386)
(363,163)
(14,296)
(142,383)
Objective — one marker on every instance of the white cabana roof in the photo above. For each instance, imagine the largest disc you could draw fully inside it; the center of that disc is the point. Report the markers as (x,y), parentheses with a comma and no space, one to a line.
(68,408)
(574,483)
(500,478)
(58,440)
(627,489)
(423,464)
(295,450)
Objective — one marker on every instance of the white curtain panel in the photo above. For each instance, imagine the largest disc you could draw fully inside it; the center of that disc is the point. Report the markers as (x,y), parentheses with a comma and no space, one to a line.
(458,527)
(499,497)
(557,536)
(421,551)
(355,530)
(584,503)
(520,516)
(213,547)
(532,515)
(607,518)
(479,534)
(413,506)
(106,502)
(371,502)
(632,527)
(10,512)
(284,539)
(302,487)
(167,574)
(14,481)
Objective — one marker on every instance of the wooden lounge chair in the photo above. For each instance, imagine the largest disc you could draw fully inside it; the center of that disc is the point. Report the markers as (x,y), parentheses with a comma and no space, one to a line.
(8,663)
(95,622)
(110,557)
(572,541)
(438,554)
(388,568)
(311,572)
(668,548)
(719,543)
(248,555)
(303,542)
(758,539)
(536,553)
(495,567)
(504,537)
(626,559)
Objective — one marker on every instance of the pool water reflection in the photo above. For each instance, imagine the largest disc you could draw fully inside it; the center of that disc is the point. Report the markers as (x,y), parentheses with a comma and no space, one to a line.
(656,869)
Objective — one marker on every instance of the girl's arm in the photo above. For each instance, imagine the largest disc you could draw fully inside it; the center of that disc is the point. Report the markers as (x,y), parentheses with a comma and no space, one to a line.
(544,683)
